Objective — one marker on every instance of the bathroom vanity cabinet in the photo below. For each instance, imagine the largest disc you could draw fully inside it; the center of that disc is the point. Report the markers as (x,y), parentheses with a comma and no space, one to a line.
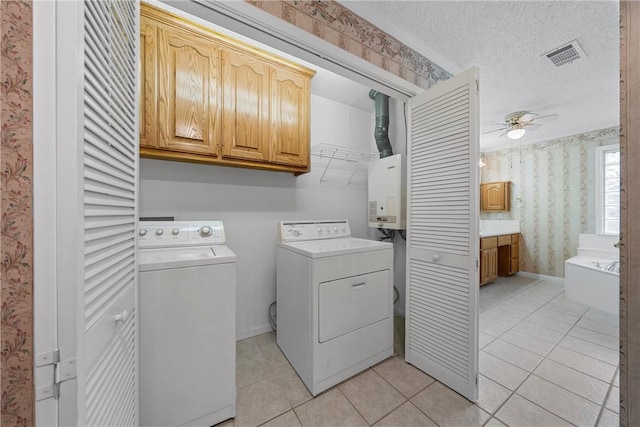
(499,256)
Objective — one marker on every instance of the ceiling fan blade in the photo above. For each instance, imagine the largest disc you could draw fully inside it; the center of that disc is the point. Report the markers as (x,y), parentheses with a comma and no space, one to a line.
(528,116)
(547,118)
(532,127)
(495,130)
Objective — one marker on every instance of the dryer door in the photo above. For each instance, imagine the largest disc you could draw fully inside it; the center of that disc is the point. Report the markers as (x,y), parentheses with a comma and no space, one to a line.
(351,303)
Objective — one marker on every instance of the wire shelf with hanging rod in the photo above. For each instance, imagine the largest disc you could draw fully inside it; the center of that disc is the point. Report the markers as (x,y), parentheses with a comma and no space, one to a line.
(332,152)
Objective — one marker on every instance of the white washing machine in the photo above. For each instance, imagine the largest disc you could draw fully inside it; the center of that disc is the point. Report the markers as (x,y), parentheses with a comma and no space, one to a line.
(187,329)
(334,301)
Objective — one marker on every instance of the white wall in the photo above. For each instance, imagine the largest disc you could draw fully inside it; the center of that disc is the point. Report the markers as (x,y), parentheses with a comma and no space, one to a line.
(251,202)
(398,136)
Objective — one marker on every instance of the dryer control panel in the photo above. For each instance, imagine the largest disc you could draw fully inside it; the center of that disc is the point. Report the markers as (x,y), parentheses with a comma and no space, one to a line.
(153,234)
(297,231)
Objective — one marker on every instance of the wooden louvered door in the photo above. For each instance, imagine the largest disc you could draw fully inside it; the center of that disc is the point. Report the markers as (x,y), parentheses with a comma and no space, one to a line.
(442,246)
(97,143)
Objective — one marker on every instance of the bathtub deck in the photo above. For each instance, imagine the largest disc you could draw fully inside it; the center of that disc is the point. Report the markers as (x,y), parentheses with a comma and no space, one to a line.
(588,285)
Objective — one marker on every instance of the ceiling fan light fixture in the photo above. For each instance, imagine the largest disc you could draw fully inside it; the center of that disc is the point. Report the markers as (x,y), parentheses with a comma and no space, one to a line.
(516,132)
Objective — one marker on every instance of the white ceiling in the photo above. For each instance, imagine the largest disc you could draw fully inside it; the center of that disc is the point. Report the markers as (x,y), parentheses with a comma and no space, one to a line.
(505,40)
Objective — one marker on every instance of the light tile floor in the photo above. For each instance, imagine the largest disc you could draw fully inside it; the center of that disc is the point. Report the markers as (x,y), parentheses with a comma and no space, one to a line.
(544,361)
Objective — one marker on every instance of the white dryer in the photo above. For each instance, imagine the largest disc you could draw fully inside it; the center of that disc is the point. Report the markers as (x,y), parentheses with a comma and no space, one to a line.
(187,302)
(334,301)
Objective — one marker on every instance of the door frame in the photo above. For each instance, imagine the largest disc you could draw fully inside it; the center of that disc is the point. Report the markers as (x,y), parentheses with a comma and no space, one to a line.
(44,204)
(366,75)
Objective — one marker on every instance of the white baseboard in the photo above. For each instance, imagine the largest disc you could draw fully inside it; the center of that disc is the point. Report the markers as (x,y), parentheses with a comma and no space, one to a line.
(541,277)
(258,330)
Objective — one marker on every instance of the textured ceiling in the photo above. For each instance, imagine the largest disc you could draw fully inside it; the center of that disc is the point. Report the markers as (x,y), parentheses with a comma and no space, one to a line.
(505,40)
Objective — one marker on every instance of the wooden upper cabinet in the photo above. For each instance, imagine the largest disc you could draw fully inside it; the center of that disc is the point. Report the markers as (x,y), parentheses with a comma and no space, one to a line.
(289,117)
(148,96)
(207,98)
(245,112)
(495,196)
(188,92)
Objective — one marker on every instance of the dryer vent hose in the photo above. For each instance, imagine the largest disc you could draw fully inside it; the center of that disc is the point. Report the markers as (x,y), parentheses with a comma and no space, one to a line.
(381,133)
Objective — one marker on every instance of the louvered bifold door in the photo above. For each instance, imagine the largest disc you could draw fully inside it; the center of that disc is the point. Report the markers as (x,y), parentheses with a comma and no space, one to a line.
(110,133)
(442,274)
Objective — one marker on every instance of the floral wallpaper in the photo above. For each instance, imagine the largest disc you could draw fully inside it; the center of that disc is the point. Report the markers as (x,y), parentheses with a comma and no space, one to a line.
(16,249)
(552,195)
(339,26)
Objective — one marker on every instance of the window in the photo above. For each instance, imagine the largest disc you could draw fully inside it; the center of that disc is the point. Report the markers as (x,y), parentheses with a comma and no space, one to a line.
(608,189)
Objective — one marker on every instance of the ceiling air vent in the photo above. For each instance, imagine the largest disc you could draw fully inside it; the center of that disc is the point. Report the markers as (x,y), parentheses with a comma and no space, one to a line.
(565,54)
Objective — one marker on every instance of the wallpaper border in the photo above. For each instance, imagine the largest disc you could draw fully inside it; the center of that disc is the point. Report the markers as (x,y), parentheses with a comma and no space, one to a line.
(339,26)
(16,248)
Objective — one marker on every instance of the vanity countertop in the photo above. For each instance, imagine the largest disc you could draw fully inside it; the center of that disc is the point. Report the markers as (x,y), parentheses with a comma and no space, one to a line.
(491,228)
(484,234)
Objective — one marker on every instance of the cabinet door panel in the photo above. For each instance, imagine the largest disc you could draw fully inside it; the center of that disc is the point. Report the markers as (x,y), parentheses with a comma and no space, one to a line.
(515,251)
(246,107)
(289,118)
(148,92)
(495,197)
(493,263)
(188,97)
(515,265)
(484,266)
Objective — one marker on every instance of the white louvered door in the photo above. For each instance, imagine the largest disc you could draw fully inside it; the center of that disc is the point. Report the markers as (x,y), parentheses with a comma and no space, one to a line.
(110,177)
(442,223)
(97,183)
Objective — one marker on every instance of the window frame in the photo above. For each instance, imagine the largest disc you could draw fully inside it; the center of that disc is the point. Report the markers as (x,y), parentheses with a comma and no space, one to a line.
(600,187)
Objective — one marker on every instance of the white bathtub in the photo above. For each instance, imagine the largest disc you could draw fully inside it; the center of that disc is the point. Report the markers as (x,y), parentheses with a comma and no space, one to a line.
(587,284)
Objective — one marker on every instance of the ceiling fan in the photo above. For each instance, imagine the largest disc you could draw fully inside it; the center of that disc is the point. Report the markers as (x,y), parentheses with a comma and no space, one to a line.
(516,124)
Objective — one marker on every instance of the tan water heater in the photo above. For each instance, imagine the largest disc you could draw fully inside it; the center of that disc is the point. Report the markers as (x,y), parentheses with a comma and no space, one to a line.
(387,193)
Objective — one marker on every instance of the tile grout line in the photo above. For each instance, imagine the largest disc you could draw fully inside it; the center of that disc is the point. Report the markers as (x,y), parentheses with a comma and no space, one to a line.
(538,364)
(555,345)
(356,408)
(407,399)
(517,293)
(417,407)
(606,397)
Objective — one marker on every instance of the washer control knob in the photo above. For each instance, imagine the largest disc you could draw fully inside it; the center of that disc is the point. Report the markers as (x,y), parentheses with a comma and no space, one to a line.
(142,232)
(319,230)
(205,231)
(159,231)
(175,231)
(335,229)
(296,232)
(343,229)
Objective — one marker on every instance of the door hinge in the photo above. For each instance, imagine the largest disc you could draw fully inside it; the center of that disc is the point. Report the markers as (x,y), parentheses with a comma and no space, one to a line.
(477,86)
(62,371)
(477,263)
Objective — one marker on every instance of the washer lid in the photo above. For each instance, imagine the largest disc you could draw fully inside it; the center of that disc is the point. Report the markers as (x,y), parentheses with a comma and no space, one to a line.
(165,258)
(333,247)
